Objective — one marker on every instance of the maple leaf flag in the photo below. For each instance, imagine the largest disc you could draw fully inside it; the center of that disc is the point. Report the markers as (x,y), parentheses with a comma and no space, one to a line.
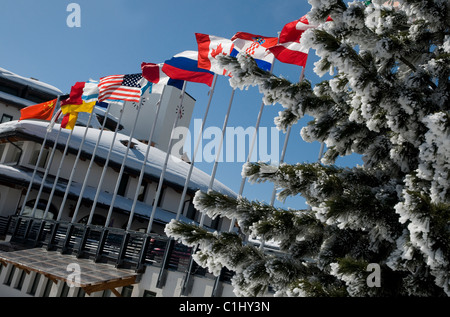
(209,47)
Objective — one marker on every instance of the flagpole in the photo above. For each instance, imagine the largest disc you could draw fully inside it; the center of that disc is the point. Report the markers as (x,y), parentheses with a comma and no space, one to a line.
(161,179)
(286,140)
(188,177)
(216,162)
(44,178)
(141,176)
(41,151)
(86,177)
(74,168)
(57,175)
(258,121)
(105,168)
(122,168)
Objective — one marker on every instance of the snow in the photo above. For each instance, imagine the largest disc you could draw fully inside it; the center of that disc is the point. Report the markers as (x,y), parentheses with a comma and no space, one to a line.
(29,82)
(176,168)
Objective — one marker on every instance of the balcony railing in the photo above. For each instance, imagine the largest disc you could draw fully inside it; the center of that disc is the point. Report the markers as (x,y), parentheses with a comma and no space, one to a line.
(124,249)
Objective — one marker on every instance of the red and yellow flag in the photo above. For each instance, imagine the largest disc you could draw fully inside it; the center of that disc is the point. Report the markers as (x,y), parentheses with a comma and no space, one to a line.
(42,111)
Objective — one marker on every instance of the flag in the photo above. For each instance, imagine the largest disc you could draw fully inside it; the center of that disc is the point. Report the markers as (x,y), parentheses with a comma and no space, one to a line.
(42,111)
(75,102)
(154,74)
(90,91)
(256,46)
(289,49)
(121,87)
(209,47)
(69,120)
(184,66)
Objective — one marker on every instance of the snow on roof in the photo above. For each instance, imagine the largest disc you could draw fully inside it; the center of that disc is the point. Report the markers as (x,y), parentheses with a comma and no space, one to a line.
(104,198)
(176,169)
(29,82)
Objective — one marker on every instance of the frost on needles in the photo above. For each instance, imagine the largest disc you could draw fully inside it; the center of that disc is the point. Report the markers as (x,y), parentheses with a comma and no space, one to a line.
(388,100)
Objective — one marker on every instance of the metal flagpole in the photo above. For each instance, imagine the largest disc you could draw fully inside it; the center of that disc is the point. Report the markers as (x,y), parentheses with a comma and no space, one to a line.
(188,177)
(86,177)
(37,162)
(216,162)
(44,178)
(74,168)
(105,168)
(122,168)
(286,140)
(211,183)
(144,162)
(161,179)
(57,174)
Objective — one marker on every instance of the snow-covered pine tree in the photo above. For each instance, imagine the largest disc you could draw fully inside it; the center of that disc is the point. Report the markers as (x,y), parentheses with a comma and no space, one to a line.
(389,102)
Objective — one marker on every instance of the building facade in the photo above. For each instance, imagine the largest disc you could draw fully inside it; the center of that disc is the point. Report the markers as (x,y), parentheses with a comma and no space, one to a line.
(76,220)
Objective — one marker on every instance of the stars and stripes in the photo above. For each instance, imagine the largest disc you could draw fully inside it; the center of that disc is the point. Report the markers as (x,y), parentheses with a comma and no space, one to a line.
(121,87)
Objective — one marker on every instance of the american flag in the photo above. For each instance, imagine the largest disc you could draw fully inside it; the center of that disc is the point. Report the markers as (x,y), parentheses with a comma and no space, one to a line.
(121,87)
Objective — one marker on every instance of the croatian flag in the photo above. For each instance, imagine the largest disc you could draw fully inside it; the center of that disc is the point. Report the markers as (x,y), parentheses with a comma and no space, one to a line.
(256,46)
(154,74)
(209,47)
(184,66)
(289,50)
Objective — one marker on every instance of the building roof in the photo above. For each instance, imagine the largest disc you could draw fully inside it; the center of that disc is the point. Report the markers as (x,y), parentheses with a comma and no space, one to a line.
(34,83)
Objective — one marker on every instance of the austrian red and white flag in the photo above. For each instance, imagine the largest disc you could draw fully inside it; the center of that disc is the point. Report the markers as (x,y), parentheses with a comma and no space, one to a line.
(209,47)
(289,49)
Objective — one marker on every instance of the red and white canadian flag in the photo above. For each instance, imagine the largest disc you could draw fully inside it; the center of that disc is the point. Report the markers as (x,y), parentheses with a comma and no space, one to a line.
(289,50)
(209,47)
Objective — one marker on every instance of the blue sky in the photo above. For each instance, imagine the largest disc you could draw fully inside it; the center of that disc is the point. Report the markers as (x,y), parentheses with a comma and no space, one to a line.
(116,36)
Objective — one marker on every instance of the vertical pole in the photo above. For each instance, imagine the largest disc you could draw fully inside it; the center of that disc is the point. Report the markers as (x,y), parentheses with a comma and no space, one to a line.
(216,162)
(161,179)
(74,168)
(188,177)
(105,168)
(44,178)
(57,175)
(37,162)
(141,175)
(122,168)
(86,177)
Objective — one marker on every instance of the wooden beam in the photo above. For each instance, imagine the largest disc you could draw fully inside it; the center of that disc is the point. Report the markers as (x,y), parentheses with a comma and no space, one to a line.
(115,292)
(110,284)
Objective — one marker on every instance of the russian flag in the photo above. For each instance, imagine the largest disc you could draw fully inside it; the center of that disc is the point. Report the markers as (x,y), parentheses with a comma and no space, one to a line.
(184,66)
(256,46)
(154,74)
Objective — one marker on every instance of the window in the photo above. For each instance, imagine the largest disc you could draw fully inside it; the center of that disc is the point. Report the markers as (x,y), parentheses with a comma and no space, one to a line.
(127,290)
(34,157)
(123,185)
(6,118)
(148,293)
(21,280)
(10,276)
(65,290)
(48,288)
(2,150)
(9,90)
(34,286)
(14,153)
(142,191)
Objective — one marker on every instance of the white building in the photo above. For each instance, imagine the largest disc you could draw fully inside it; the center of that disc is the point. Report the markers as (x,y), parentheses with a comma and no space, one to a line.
(81,233)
